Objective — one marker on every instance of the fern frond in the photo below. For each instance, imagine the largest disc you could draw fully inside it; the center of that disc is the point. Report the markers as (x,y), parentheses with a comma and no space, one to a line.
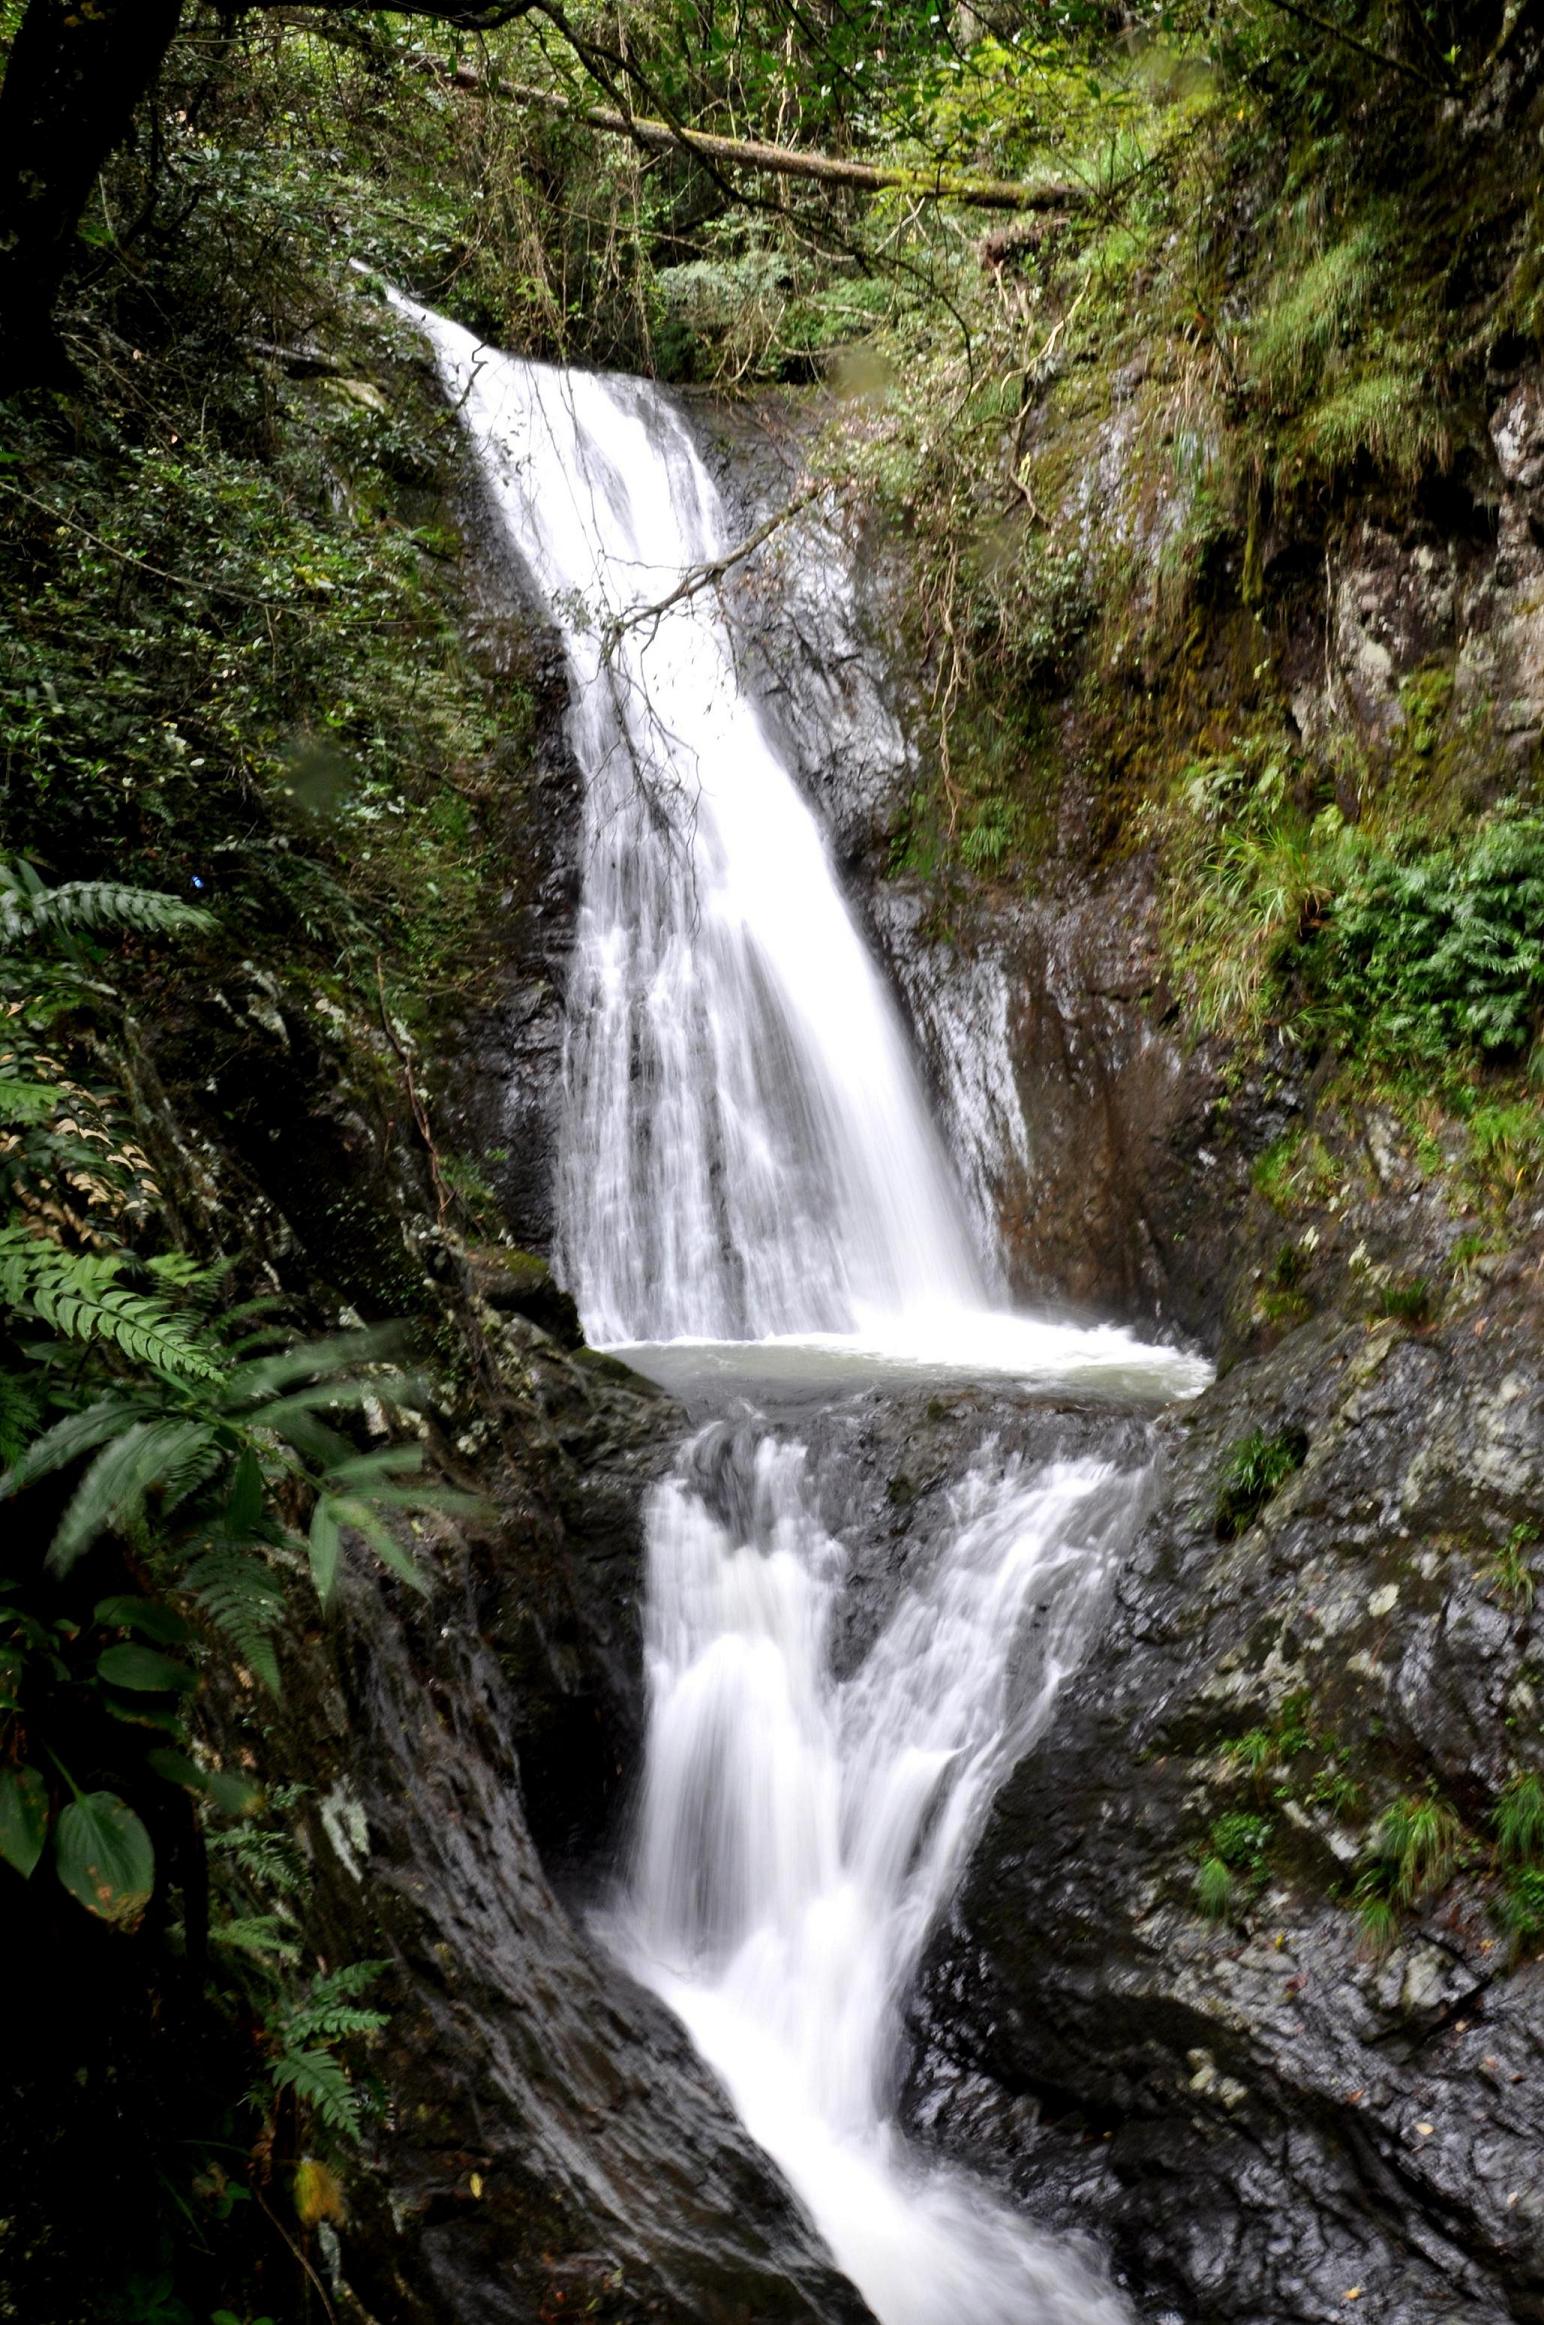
(244,1600)
(318,1361)
(94,905)
(77,1294)
(112,1496)
(360,1518)
(21,1408)
(321,2084)
(76,1434)
(259,1934)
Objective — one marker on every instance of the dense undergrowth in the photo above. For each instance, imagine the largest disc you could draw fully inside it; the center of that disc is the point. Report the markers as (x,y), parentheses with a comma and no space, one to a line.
(248,748)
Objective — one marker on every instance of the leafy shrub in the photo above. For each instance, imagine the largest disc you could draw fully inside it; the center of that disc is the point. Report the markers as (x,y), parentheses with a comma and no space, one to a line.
(1241,1839)
(1256,1469)
(1443,954)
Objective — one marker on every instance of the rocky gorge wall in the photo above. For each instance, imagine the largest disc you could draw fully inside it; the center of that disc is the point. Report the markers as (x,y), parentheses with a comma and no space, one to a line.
(1236,2089)
(1286,2100)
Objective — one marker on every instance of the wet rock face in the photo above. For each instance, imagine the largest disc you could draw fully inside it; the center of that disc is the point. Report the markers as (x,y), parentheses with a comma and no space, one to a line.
(1114,1197)
(553,2141)
(1275,2114)
(498,1079)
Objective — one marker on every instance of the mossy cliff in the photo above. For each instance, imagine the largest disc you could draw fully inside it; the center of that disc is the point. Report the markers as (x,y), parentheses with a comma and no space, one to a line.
(1184,735)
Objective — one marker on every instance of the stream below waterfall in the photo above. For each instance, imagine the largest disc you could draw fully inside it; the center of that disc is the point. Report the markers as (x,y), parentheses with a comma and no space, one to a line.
(757,1208)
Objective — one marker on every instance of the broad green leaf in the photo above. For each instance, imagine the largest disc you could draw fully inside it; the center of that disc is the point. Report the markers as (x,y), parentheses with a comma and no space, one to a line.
(383,1542)
(143,1711)
(324,1548)
(143,1669)
(23,1817)
(104,1858)
(237,1795)
(148,1616)
(245,1506)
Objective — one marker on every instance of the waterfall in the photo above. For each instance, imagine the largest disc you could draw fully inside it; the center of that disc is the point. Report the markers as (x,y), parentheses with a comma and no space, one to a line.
(745,1147)
(799,1835)
(747,1157)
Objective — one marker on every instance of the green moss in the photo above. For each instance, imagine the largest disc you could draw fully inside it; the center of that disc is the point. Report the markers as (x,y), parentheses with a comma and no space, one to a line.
(1297,1172)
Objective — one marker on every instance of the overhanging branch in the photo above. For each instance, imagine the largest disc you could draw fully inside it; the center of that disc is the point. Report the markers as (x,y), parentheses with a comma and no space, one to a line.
(939,185)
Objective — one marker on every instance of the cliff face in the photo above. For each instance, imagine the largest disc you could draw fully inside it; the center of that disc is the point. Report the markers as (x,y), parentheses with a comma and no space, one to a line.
(1245,1968)
(1287,2090)
(1192,1995)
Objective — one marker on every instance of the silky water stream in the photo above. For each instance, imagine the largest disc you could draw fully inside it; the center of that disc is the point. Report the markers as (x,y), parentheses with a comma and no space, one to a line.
(756,1206)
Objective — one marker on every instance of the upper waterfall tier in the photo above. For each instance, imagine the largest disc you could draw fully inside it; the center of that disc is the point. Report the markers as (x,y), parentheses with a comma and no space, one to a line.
(746,1150)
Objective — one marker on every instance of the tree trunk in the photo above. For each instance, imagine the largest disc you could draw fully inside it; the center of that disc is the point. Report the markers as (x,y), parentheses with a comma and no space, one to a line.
(789,161)
(77,70)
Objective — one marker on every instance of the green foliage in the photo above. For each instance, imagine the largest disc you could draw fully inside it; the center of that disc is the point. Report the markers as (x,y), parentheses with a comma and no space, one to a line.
(306,2036)
(1240,1840)
(102,1854)
(1256,1468)
(1512,1577)
(1407,1299)
(1442,954)
(1214,1889)
(1522,1907)
(78,1294)
(1296,1171)
(31,913)
(1507,1144)
(1520,1819)
(1316,311)
(1413,1852)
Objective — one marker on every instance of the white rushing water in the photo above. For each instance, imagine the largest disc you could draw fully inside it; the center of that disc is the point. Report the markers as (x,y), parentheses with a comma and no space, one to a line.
(800,1834)
(745,1148)
(747,1157)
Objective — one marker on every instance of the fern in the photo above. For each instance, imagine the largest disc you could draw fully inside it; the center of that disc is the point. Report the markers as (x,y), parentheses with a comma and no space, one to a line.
(29,912)
(21,1409)
(70,1438)
(77,1295)
(245,1602)
(331,2010)
(260,1935)
(321,2085)
(113,1494)
(306,2034)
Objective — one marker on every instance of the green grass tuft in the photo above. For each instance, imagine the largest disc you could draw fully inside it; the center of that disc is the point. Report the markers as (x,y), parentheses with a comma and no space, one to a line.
(1520,1819)
(1256,1469)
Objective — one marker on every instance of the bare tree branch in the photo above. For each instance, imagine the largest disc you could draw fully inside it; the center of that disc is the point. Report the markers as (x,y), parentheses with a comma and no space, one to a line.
(938,184)
(699,577)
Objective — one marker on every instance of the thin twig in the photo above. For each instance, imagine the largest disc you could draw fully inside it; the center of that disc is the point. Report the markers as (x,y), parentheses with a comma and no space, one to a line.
(699,577)
(419,1111)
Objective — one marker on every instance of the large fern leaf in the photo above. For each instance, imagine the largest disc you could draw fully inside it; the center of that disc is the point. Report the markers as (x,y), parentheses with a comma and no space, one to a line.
(245,1601)
(112,1496)
(78,1294)
(92,905)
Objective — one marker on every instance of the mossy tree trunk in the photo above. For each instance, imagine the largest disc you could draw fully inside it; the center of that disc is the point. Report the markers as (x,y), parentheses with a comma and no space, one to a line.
(77,71)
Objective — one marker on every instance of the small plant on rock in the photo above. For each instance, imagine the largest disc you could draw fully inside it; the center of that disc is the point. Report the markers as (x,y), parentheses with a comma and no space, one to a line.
(1407,1299)
(1257,1467)
(1511,1577)
(1214,1889)
(1520,1819)
(1522,1907)
(1413,1852)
